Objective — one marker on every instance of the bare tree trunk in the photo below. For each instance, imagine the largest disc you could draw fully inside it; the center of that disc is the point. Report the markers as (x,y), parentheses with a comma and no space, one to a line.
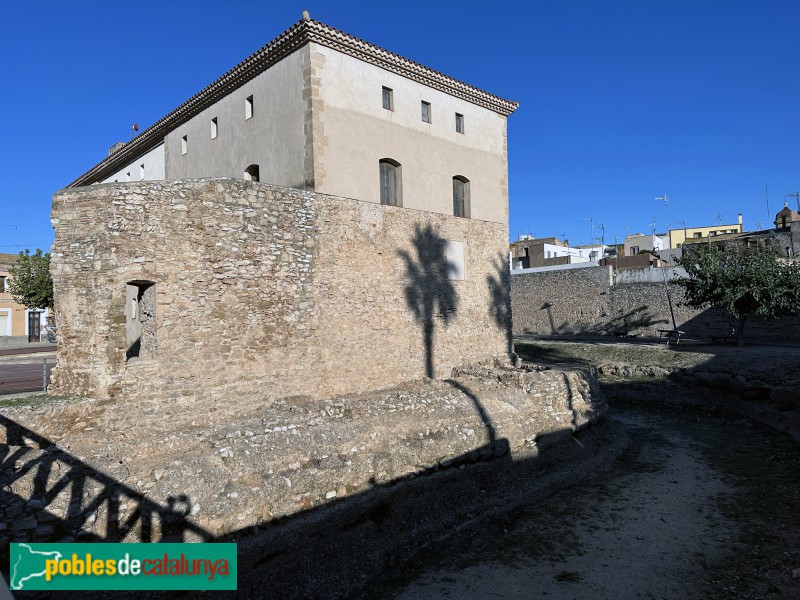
(740,331)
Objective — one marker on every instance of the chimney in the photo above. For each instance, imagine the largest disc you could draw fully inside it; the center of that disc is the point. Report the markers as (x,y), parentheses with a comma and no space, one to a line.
(740,221)
(115,148)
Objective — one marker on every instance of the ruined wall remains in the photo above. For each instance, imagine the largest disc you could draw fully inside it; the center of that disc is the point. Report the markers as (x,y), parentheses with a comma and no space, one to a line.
(263,289)
(591,301)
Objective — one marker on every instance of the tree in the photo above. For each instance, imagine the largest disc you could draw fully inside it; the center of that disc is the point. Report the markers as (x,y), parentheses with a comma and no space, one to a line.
(29,280)
(741,281)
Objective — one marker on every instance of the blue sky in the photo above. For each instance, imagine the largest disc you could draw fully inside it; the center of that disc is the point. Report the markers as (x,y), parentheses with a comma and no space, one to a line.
(620,101)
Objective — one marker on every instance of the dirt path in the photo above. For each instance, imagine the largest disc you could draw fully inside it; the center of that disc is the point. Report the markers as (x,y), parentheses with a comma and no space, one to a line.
(693,509)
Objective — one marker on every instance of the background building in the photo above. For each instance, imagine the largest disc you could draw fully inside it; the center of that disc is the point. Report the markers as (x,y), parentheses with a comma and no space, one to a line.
(18,324)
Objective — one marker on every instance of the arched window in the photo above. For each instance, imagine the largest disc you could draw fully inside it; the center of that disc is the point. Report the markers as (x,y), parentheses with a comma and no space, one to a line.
(391,182)
(461,206)
(251,173)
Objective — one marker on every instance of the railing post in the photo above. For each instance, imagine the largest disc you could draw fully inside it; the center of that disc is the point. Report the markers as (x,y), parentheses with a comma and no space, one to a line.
(44,374)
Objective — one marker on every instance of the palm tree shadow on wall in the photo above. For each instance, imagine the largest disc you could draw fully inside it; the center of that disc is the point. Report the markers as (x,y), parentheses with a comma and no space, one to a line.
(500,289)
(429,293)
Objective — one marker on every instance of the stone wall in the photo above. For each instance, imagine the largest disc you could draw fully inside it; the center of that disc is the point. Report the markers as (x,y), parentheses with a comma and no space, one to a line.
(268,290)
(592,301)
(251,463)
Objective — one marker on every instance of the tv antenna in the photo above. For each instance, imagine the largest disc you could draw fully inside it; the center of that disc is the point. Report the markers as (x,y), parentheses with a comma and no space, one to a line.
(796,196)
(719,217)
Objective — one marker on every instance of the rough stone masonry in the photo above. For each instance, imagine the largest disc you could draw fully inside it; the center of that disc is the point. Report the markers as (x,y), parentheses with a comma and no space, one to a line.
(232,288)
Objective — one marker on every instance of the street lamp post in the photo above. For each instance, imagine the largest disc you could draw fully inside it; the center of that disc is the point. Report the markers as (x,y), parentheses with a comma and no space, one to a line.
(665,200)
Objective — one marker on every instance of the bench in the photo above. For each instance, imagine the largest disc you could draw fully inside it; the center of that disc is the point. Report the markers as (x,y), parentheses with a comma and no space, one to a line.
(670,334)
(732,337)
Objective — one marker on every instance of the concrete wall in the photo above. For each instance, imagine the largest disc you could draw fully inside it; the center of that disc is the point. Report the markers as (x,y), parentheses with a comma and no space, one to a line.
(273,138)
(266,289)
(359,132)
(154,168)
(594,301)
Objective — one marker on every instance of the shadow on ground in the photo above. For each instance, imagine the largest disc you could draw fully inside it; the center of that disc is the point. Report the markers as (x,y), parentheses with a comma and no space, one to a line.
(332,550)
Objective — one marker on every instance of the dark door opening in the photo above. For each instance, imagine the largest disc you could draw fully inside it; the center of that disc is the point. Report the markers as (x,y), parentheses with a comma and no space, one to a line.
(34,326)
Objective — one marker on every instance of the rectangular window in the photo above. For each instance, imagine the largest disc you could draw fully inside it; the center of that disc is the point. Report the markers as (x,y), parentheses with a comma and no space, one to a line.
(388,98)
(459,123)
(634,249)
(128,176)
(184,144)
(390,183)
(2,288)
(698,235)
(248,108)
(141,171)
(214,128)
(426,112)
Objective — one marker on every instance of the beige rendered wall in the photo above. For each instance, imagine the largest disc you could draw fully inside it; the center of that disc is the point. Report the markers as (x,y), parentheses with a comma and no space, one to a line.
(358,132)
(273,138)
(266,292)
(154,169)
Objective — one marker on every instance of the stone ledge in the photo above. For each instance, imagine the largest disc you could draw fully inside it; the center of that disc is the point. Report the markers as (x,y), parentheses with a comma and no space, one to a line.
(255,462)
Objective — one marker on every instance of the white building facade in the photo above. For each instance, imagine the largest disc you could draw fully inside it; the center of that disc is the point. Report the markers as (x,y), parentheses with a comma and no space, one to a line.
(320,110)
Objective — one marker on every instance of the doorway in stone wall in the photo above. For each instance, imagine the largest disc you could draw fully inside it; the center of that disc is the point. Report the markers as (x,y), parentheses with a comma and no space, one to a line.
(140,319)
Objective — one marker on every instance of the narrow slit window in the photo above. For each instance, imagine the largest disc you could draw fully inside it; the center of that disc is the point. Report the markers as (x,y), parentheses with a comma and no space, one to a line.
(426,112)
(388,98)
(248,107)
(184,144)
(141,171)
(459,123)
(214,129)
(128,176)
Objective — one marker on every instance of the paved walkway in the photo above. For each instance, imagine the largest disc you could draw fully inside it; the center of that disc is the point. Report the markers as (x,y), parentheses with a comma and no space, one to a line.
(27,348)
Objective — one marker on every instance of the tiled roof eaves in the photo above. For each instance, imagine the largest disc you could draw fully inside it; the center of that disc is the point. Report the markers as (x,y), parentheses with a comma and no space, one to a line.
(370,53)
(297,36)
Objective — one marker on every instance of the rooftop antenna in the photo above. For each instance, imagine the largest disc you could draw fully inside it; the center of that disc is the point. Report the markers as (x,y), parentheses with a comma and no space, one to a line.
(719,217)
(665,200)
(760,225)
(796,196)
(653,226)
